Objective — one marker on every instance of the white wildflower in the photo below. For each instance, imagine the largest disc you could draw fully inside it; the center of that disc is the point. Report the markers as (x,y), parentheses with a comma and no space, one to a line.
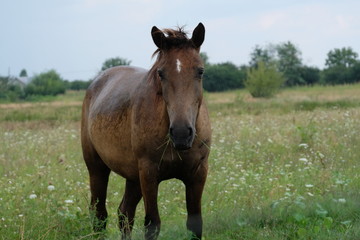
(341,200)
(69,201)
(303,145)
(33,196)
(51,187)
(338,181)
(309,185)
(303,160)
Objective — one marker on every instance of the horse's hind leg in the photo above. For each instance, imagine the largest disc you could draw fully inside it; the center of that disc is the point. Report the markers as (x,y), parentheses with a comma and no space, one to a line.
(127,208)
(98,185)
(99,177)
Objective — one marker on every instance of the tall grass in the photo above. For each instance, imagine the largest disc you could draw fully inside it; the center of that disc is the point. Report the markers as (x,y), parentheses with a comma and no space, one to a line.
(276,171)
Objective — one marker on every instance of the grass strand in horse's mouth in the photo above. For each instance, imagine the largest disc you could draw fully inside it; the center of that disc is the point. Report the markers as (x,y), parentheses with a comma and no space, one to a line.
(166,144)
(202,141)
(168,140)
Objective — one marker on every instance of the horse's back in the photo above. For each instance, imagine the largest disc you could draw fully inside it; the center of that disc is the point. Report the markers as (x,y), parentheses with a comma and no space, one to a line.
(113,89)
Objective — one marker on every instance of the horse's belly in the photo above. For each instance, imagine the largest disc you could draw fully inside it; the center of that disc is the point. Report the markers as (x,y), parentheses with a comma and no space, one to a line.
(113,144)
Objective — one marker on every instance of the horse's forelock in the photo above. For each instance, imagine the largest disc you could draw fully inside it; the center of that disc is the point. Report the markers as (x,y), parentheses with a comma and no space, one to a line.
(175,33)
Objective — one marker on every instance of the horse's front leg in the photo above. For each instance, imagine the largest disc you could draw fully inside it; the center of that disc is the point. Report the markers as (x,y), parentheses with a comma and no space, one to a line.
(149,188)
(194,190)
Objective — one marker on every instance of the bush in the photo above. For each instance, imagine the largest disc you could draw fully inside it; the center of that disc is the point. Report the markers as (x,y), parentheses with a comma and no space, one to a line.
(113,62)
(336,75)
(47,83)
(9,91)
(355,72)
(223,76)
(263,81)
(310,75)
(79,85)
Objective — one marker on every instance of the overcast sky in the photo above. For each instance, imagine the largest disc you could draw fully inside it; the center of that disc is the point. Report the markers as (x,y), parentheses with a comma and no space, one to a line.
(75,37)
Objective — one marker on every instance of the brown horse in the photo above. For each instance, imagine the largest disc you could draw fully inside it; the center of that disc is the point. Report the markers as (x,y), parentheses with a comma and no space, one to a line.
(149,126)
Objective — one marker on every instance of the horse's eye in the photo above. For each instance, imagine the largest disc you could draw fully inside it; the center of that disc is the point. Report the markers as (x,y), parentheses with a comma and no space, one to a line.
(200,71)
(160,73)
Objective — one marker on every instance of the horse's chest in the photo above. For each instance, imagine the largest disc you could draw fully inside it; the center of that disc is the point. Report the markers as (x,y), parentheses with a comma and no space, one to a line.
(179,164)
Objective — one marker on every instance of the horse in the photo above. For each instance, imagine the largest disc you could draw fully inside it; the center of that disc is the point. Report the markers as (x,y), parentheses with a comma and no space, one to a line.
(149,126)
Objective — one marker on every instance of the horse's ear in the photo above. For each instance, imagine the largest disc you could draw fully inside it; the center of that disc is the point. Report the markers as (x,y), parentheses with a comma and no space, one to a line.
(158,37)
(198,35)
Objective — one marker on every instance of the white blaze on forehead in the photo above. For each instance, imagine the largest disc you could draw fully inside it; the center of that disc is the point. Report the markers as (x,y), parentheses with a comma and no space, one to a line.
(178,65)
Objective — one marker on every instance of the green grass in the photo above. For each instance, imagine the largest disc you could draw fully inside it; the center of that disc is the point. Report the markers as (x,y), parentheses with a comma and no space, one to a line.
(71,95)
(39,113)
(280,168)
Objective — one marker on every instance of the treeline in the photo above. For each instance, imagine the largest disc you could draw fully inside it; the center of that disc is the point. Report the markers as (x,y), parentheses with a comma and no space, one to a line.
(270,67)
(342,66)
(47,83)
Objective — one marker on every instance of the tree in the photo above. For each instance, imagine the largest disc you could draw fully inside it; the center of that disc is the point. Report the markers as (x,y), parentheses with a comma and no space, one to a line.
(47,83)
(10,92)
(355,72)
(286,57)
(223,76)
(112,62)
(79,85)
(341,66)
(310,75)
(345,57)
(263,81)
(336,75)
(289,63)
(23,73)
(265,55)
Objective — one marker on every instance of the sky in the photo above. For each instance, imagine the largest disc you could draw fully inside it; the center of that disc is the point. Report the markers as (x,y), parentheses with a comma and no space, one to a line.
(75,37)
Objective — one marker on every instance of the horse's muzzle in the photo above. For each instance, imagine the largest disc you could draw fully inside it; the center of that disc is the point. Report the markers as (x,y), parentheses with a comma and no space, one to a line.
(182,137)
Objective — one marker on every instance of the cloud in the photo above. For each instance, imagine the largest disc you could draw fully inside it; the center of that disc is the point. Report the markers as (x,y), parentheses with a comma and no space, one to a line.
(129,12)
(270,20)
(95,3)
(311,18)
(315,28)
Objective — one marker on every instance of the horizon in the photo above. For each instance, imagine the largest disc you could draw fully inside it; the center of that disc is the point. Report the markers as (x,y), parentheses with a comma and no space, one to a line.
(76,37)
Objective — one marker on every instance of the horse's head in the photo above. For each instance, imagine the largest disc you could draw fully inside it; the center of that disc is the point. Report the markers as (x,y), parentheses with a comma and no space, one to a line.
(179,71)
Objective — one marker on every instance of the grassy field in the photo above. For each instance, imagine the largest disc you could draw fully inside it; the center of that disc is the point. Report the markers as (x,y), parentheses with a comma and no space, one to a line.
(280,168)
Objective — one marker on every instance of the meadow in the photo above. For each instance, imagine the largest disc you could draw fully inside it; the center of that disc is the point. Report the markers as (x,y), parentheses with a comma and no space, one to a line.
(281,168)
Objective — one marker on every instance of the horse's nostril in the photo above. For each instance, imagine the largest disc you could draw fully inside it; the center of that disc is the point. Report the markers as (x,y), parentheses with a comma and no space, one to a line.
(171,130)
(181,132)
(190,131)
